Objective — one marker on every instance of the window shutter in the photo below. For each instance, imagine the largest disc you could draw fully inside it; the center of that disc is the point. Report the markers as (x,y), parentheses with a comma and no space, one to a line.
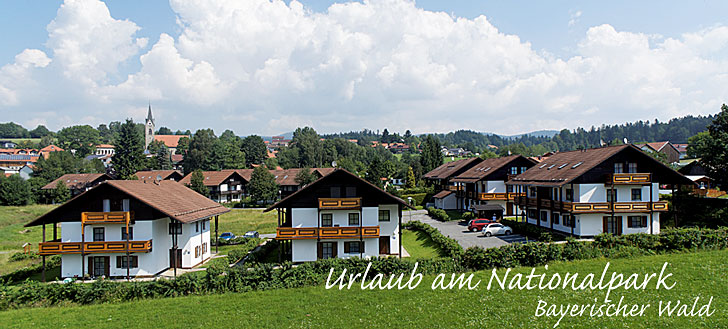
(320,250)
(361,246)
(604,224)
(644,221)
(118,261)
(347,247)
(335,248)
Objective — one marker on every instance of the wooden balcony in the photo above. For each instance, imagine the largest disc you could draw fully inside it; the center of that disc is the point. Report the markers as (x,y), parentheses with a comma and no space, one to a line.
(499,196)
(285,233)
(57,247)
(339,203)
(112,217)
(619,207)
(454,188)
(630,179)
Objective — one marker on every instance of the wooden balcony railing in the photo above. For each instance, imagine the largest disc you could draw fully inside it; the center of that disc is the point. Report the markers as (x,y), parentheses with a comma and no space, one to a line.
(634,178)
(284,233)
(56,247)
(112,217)
(511,196)
(339,203)
(454,188)
(591,207)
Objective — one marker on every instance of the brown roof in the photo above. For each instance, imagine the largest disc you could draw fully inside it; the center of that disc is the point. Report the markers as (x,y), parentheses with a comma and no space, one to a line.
(76,181)
(51,148)
(483,169)
(170,198)
(177,158)
(169,140)
(442,194)
(212,178)
(152,174)
(657,146)
(449,169)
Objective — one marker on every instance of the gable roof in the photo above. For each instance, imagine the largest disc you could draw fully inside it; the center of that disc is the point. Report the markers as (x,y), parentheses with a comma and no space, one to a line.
(658,146)
(485,168)
(564,167)
(169,140)
(212,178)
(449,169)
(76,181)
(172,199)
(442,194)
(337,174)
(152,174)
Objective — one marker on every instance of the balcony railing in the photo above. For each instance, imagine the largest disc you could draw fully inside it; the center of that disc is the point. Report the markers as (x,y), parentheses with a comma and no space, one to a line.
(454,188)
(339,203)
(57,247)
(633,178)
(109,217)
(284,233)
(499,196)
(591,207)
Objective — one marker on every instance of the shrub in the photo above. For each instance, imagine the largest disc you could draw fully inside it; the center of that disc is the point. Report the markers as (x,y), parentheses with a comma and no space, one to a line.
(438,214)
(18,256)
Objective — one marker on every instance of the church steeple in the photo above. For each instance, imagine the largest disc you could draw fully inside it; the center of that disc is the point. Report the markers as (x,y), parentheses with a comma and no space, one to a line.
(149,114)
(149,128)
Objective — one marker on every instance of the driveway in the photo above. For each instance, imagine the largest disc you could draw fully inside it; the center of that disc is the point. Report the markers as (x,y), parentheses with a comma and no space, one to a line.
(459,231)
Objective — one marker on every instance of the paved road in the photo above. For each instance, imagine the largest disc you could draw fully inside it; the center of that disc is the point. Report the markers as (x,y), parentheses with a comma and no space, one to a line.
(459,231)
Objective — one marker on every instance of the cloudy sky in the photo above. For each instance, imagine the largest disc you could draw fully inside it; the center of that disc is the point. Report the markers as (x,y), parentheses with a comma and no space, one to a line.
(267,67)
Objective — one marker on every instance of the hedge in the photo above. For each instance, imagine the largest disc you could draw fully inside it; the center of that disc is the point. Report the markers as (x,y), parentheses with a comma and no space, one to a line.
(438,214)
(222,279)
(532,231)
(26,272)
(418,199)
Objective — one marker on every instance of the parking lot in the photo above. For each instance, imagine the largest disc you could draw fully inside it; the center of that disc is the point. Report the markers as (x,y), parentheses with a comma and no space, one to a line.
(459,231)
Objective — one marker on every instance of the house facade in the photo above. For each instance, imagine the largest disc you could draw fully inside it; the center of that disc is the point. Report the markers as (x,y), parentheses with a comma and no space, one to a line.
(78,183)
(672,154)
(129,229)
(441,177)
(223,185)
(486,183)
(612,189)
(339,216)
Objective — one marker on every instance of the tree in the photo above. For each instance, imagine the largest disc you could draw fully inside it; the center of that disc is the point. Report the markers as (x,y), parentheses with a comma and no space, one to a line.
(233,157)
(56,165)
(60,193)
(379,169)
(711,147)
(431,156)
(411,181)
(83,139)
(305,177)
(45,141)
(255,150)
(129,155)
(200,153)
(263,187)
(310,148)
(40,131)
(164,131)
(197,183)
(13,130)
(14,191)
(162,160)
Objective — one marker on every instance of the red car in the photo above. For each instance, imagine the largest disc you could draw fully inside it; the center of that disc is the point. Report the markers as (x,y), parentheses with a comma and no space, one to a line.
(478,224)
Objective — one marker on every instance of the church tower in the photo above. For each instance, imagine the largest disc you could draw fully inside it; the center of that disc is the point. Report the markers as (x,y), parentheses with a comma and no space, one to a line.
(148,129)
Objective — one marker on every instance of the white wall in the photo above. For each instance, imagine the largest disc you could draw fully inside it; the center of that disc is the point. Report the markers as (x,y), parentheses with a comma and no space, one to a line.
(449,202)
(495,186)
(307,250)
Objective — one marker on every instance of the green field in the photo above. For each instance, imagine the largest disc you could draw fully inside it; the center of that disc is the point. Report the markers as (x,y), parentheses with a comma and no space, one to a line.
(240,221)
(696,274)
(419,245)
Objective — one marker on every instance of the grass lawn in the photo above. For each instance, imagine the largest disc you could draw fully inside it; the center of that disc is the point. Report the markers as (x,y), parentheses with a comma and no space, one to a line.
(13,235)
(240,221)
(695,274)
(420,245)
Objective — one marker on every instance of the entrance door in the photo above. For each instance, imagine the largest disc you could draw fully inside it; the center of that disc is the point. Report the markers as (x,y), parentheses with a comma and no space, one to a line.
(383,245)
(175,262)
(98,266)
(612,225)
(509,208)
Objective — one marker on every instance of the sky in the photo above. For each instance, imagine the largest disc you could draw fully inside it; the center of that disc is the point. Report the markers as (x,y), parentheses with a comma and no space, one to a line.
(266,67)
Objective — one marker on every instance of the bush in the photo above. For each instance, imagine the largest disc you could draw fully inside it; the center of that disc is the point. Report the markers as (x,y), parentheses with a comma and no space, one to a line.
(438,214)
(469,215)
(418,199)
(242,250)
(28,271)
(18,256)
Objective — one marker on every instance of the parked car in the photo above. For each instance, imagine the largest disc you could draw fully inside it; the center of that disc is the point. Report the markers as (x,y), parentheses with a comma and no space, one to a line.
(496,229)
(251,234)
(226,236)
(478,224)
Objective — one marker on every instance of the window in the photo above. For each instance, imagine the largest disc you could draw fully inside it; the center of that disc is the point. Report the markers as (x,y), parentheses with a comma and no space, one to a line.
(99,234)
(327,250)
(204,248)
(523,169)
(121,261)
(514,170)
(197,226)
(327,220)
(637,221)
(175,228)
(384,215)
(131,233)
(544,216)
(555,218)
(636,194)
(532,214)
(611,195)
(568,221)
(569,194)
(354,219)
(618,168)
(204,224)
(350,191)
(353,247)
(632,167)
(532,192)
(509,188)
(335,192)
(197,251)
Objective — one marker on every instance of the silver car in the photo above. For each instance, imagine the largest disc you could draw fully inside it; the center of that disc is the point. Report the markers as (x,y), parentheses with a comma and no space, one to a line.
(496,229)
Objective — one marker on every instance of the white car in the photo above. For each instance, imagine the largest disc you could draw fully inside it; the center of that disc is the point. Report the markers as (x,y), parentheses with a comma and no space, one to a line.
(496,229)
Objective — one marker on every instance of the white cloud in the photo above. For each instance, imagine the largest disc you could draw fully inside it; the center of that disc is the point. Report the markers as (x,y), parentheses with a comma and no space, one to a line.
(265,67)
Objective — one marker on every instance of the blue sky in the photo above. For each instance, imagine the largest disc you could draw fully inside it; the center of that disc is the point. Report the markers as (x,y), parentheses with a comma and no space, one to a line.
(559,47)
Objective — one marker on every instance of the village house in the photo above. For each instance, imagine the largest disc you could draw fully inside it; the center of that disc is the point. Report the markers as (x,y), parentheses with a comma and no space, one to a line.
(441,177)
(611,189)
(78,183)
(223,186)
(339,216)
(105,149)
(672,154)
(486,183)
(131,228)
(152,175)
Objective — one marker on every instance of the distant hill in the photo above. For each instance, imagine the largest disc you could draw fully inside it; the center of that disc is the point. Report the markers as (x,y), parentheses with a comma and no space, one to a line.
(539,133)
